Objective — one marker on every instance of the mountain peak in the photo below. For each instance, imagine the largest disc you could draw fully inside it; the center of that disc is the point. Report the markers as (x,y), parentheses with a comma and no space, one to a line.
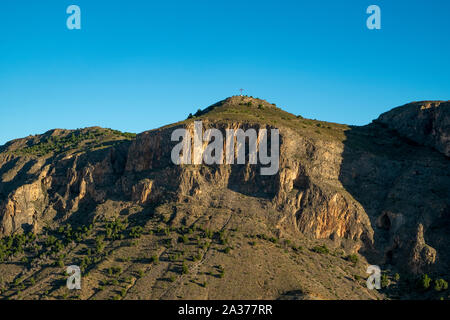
(236,102)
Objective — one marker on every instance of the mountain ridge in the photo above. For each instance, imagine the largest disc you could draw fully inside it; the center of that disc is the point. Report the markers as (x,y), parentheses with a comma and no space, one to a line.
(369,194)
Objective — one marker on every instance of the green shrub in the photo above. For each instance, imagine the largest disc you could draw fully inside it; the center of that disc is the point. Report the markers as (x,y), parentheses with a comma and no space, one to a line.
(425,281)
(99,244)
(197,257)
(184,268)
(323,249)
(353,258)
(154,259)
(209,234)
(222,272)
(440,284)
(262,236)
(273,240)
(114,229)
(114,271)
(17,282)
(136,232)
(384,280)
(168,243)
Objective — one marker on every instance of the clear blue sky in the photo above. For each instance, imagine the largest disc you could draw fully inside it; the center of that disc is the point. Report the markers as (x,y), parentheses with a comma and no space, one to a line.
(136,65)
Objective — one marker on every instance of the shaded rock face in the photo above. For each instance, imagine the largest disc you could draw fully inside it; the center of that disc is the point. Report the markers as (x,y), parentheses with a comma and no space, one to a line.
(422,255)
(425,122)
(369,192)
(403,185)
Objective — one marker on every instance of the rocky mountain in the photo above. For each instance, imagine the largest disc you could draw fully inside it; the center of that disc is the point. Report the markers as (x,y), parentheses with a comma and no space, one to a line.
(141,227)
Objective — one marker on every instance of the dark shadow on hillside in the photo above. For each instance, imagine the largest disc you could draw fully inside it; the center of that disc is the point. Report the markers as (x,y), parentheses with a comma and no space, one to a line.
(399,184)
(367,183)
(249,180)
(252,184)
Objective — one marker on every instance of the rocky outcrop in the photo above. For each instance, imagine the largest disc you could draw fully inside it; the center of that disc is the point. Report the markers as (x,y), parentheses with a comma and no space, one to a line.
(423,256)
(425,122)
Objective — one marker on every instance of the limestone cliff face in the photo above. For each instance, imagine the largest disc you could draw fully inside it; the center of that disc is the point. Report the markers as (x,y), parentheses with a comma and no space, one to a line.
(371,190)
(306,189)
(36,191)
(22,207)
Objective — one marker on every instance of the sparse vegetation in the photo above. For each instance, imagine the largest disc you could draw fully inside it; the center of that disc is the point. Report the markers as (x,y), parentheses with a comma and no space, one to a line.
(136,232)
(73,140)
(322,249)
(115,228)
